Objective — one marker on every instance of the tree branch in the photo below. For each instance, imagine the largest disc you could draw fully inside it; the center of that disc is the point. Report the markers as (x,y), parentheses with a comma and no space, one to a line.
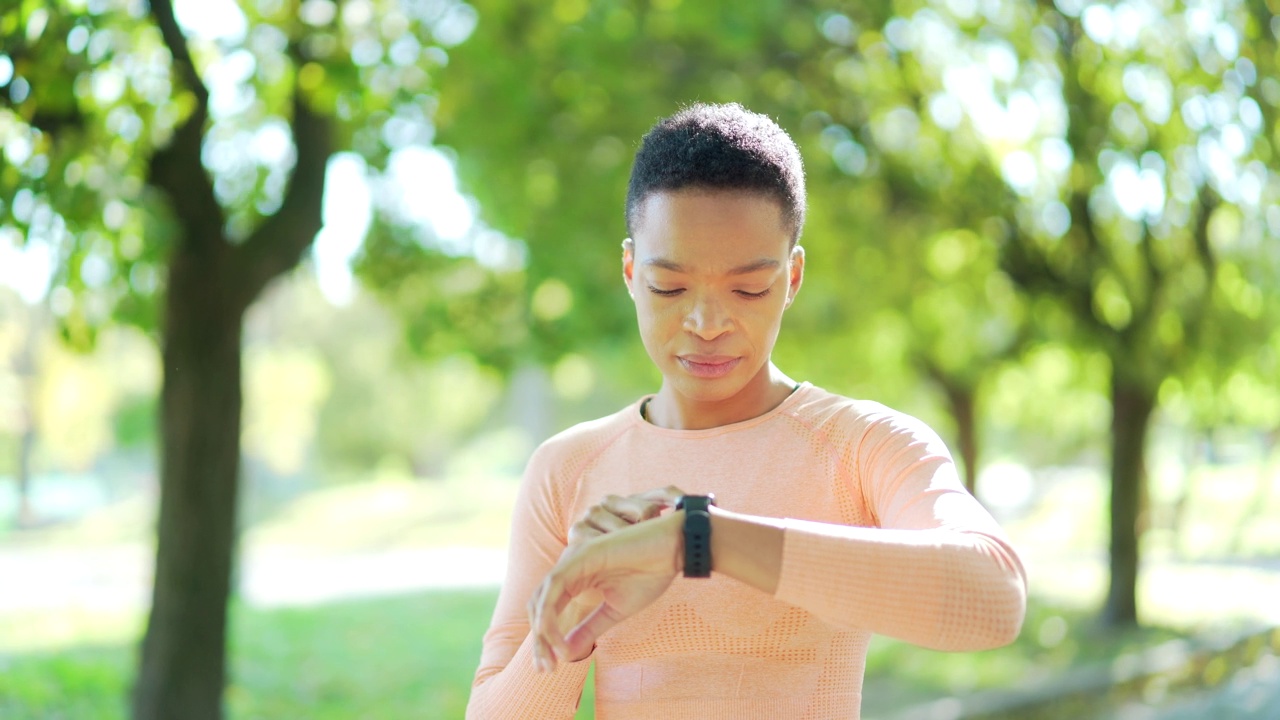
(162,11)
(177,169)
(1207,200)
(1029,266)
(277,245)
(1194,318)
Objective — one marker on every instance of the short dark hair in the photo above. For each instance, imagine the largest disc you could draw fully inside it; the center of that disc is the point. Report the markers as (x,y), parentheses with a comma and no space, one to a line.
(719,147)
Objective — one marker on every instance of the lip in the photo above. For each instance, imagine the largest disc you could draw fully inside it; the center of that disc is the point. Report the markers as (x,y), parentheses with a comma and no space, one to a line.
(709,366)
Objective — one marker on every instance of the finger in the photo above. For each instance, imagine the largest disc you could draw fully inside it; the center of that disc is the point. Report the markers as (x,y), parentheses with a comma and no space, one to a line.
(642,506)
(548,604)
(544,625)
(544,656)
(651,511)
(595,522)
(668,496)
(582,532)
(540,651)
(539,655)
(630,509)
(606,520)
(548,657)
(638,508)
(583,637)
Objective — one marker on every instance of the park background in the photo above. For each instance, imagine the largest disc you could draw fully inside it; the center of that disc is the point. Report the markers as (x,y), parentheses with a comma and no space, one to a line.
(306,282)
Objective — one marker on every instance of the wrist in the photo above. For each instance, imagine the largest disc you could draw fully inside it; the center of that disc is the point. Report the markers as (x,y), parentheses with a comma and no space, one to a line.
(747,548)
(675,528)
(696,534)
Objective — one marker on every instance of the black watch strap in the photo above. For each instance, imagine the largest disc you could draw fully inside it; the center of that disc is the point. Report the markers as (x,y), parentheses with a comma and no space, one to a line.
(697,534)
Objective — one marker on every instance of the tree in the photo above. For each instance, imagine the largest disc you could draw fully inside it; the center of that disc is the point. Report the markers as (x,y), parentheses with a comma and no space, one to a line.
(1163,196)
(175,177)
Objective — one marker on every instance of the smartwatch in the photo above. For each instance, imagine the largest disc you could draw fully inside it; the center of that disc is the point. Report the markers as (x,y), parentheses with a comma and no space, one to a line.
(697,534)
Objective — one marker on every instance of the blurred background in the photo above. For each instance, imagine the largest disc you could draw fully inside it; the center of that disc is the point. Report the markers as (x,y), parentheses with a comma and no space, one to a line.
(290,290)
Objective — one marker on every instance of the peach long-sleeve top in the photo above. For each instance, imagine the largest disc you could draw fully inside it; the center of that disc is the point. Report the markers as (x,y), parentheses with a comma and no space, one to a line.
(880,537)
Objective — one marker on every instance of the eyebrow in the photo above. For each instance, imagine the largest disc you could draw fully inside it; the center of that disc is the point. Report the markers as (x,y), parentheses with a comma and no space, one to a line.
(755,266)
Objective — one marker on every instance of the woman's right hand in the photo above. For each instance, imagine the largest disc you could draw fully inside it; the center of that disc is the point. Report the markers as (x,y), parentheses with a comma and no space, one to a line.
(622,555)
(613,513)
(616,512)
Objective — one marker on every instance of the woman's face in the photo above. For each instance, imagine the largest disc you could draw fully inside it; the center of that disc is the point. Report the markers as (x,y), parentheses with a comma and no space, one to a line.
(711,272)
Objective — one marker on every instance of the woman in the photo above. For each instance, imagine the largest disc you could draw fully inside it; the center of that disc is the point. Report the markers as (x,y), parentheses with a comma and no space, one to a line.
(726,546)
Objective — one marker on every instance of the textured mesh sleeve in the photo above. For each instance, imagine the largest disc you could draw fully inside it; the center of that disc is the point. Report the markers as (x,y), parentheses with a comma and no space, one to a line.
(506,684)
(937,571)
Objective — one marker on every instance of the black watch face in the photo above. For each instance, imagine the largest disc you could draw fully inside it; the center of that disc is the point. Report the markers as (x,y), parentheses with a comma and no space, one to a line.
(697,502)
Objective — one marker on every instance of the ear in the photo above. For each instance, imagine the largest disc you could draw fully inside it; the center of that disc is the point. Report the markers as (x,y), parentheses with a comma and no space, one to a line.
(629,264)
(796,274)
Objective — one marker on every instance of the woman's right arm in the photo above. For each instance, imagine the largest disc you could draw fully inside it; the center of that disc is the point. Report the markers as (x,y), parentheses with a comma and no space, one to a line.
(507,683)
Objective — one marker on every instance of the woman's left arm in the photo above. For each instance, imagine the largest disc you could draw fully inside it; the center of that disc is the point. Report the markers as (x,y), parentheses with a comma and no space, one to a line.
(936,570)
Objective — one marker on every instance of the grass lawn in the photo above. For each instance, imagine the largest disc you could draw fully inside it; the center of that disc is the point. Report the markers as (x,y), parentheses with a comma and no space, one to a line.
(413,657)
(403,657)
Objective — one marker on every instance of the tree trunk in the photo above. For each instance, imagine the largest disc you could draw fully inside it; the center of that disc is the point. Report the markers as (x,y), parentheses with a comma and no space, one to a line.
(28,374)
(1131,409)
(961,400)
(26,447)
(183,654)
(212,281)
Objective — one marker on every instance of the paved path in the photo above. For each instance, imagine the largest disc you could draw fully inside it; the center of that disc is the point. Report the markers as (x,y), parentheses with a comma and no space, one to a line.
(119,577)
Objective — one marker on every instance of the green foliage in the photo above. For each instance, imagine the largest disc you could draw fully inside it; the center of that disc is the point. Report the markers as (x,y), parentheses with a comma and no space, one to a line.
(902,276)
(929,244)
(1163,266)
(382,402)
(1069,423)
(585,82)
(447,304)
(94,94)
(88,98)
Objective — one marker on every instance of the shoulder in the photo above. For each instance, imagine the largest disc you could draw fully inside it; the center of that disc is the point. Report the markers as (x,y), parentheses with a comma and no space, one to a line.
(843,420)
(570,450)
(552,474)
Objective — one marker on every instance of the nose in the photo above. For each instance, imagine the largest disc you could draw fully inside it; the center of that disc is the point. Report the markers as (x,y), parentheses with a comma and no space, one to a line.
(707,318)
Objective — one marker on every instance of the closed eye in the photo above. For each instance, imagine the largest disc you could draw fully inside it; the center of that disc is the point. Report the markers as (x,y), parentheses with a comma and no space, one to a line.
(754,296)
(665,293)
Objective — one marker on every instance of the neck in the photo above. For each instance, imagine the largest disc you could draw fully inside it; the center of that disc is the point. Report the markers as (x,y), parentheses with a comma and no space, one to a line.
(672,410)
